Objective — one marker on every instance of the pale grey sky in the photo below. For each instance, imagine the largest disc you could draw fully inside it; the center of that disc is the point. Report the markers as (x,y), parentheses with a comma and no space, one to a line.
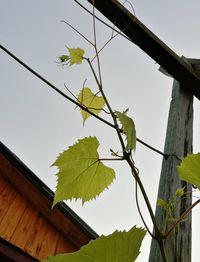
(37,123)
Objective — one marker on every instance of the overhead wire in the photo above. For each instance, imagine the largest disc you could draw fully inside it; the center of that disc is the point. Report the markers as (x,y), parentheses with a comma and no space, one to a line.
(76,103)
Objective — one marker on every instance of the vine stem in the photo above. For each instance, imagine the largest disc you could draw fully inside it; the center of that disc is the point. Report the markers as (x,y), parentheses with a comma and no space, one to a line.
(78,104)
(111,159)
(77,31)
(103,22)
(108,105)
(99,83)
(158,234)
(127,155)
(162,250)
(185,213)
(140,213)
(95,48)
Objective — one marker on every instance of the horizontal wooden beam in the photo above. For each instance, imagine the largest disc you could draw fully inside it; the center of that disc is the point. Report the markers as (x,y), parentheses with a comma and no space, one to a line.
(140,35)
(9,252)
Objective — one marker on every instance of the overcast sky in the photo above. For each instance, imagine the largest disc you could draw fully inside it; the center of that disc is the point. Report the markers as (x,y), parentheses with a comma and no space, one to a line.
(37,123)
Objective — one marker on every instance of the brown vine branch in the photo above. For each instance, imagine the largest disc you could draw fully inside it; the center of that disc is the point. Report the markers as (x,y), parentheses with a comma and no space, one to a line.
(139,211)
(109,107)
(111,159)
(103,22)
(185,213)
(63,21)
(158,234)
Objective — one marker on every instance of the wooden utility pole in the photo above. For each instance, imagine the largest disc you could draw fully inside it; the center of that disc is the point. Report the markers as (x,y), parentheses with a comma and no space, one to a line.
(178,144)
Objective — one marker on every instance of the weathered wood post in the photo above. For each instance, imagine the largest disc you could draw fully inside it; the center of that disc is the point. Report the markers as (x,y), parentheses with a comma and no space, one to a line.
(178,144)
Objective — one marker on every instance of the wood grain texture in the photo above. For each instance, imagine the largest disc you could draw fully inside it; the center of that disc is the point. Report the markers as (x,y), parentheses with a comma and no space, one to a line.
(12,217)
(25,227)
(178,143)
(49,243)
(27,221)
(140,35)
(3,183)
(63,223)
(6,198)
(61,246)
(34,242)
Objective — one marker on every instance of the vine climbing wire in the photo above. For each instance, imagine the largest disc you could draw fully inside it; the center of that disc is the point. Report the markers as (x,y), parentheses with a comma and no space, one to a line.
(76,102)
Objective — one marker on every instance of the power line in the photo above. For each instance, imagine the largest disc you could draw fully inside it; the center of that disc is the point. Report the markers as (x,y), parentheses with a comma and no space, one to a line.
(75,102)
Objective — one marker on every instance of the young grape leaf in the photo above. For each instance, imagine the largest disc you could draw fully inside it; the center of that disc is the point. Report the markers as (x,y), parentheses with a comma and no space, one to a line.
(163,204)
(189,170)
(119,246)
(63,59)
(76,55)
(128,128)
(81,174)
(180,192)
(91,101)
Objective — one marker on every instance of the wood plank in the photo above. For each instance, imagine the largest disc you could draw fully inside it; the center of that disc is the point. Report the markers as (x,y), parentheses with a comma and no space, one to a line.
(3,183)
(70,230)
(12,217)
(34,243)
(49,242)
(64,246)
(32,194)
(6,198)
(25,227)
(140,35)
(178,142)
(55,216)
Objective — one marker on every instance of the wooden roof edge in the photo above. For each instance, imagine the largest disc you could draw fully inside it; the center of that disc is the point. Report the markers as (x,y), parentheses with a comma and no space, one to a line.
(9,252)
(46,191)
(140,35)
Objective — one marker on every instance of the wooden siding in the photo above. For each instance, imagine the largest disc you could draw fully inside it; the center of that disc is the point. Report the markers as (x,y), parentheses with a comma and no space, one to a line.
(27,221)
(25,227)
(63,221)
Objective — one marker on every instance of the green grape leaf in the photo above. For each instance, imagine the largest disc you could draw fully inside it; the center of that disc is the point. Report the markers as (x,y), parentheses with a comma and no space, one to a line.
(91,101)
(189,170)
(63,58)
(76,55)
(163,204)
(167,206)
(128,128)
(180,192)
(81,174)
(119,246)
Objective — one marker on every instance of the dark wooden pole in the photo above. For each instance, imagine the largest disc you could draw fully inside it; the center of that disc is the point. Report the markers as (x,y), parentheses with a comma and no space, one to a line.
(178,143)
(140,35)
